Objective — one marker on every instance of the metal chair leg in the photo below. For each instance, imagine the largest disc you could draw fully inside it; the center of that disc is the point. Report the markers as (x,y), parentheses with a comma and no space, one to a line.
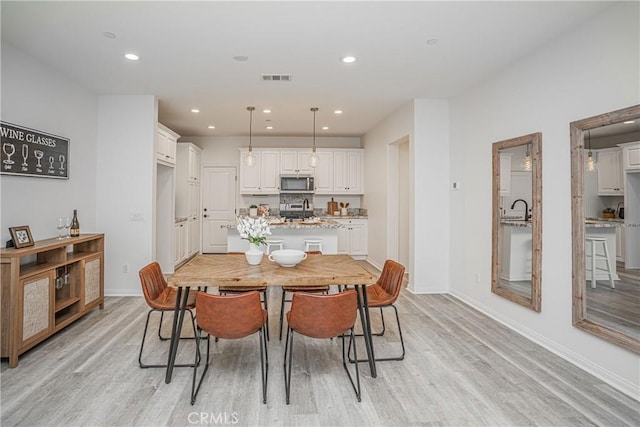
(384,359)
(264,363)
(194,390)
(344,363)
(288,348)
(144,335)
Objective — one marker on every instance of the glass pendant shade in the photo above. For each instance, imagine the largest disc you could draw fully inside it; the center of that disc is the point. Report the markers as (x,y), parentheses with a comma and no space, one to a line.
(250,159)
(592,166)
(526,161)
(314,159)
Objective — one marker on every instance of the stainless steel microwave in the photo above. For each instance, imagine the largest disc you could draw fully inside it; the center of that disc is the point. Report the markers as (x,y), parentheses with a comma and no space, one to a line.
(296,184)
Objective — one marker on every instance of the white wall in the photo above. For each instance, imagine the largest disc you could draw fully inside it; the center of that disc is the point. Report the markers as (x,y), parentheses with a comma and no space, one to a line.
(125,186)
(591,70)
(36,96)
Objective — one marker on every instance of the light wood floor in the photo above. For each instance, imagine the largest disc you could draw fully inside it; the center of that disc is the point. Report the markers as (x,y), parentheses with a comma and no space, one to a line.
(461,368)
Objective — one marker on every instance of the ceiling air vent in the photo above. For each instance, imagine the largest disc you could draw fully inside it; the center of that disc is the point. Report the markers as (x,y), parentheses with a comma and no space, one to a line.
(276,77)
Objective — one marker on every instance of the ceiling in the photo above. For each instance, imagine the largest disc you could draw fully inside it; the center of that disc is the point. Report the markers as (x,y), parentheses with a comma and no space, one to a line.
(187,52)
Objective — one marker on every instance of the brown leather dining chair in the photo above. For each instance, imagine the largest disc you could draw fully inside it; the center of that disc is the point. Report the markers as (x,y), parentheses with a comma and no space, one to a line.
(321,316)
(384,293)
(293,289)
(160,297)
(232,290)
(230,317)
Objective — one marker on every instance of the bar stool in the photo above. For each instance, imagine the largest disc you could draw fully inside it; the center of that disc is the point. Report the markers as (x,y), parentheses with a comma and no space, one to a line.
(309,243)
(274,242)
(595,256)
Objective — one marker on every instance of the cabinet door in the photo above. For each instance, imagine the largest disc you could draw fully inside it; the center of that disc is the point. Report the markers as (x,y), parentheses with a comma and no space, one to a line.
(270,172)
(288,162)
(505,174)
(340,161)
(194,236)
(37,307)
(194,199)
(354,172)
(358,239)
(324,173)
(180,244)
(620,244)
(92,280)
(303,162)
(250,175)
(194,164)
(344,240)
(610,172)
(632,157)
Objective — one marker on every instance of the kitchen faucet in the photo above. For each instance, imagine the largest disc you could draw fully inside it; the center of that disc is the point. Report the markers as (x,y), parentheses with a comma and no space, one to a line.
(526,207)
(305,206)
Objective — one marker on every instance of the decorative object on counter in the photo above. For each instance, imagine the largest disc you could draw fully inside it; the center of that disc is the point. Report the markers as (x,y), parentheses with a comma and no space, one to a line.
(592,166)
(253,210)
(314,158)
(21,236)
(620,210)
(608,213)
(250,159)
(263,209)
(255,230)
(332,207)
(343,209)
(74,231)
(62,229)
(287,257)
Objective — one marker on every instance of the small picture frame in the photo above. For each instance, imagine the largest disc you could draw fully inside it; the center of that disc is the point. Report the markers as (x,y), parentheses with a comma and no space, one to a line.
(21,236)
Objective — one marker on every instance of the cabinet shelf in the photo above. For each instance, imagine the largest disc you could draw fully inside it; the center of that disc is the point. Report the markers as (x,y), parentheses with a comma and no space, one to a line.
(66,302)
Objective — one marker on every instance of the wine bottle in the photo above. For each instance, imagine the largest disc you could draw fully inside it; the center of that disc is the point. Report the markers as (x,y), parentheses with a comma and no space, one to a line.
(75,225)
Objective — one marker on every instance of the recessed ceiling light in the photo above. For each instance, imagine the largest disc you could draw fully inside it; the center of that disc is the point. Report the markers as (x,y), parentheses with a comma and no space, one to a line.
(266,111)
(240,58)
(628,122)
(431,42)
(211,127)
(348,59)
(109,35)
(131,56)
(325,127)
(195,110)
(337,112)
(269,127)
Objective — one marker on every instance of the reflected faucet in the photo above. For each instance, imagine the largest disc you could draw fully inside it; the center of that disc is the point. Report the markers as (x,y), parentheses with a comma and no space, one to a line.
(305,206)
(526,207)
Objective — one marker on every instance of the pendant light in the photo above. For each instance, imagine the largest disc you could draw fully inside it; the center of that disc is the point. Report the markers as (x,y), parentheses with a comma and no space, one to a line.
(592,166)
(313,158)
(250,159)
(526,161)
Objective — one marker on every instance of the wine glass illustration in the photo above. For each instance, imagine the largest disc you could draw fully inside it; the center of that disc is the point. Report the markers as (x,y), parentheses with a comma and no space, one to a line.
(62,159)
(38,155)
(25,154)
(8,149)
(61,229)
(51,160)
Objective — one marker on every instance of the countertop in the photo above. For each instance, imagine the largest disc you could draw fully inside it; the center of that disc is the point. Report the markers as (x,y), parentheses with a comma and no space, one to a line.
(607,222)
(324,223)
(516,223)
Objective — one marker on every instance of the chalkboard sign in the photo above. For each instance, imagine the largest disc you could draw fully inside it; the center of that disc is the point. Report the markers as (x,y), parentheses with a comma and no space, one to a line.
(30,152)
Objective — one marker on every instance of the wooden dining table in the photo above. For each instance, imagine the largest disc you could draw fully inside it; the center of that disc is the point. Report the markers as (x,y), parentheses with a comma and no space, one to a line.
(229,270)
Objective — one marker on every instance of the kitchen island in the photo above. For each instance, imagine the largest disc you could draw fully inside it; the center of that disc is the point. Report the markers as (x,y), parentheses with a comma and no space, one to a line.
(515,263)
(293,233)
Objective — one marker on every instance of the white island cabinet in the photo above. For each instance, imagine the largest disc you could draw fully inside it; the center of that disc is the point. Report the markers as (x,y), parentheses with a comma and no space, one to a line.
(352,238)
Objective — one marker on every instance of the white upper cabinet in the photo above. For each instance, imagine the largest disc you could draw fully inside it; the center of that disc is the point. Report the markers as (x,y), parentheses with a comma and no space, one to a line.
(264,176)
(166,141)
(324,173)
(294,162)
(348,171)
(610,172)
(505,174)
(631,156)
(188,180)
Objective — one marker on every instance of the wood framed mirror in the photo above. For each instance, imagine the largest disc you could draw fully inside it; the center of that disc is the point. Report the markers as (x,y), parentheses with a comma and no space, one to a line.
(606,303)
(517,220)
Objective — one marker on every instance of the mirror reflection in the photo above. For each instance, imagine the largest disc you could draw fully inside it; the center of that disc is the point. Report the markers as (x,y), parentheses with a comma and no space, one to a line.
(606,225)
(516,222)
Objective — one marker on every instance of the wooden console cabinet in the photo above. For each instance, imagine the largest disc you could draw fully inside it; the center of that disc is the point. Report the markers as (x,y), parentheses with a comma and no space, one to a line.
(33,307)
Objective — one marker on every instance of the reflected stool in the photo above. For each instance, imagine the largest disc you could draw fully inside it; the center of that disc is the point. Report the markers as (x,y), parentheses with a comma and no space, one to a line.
(310,243)
(274,242)
(595,256)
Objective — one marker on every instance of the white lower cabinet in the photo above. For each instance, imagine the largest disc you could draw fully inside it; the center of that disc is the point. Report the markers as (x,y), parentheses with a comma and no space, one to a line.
(620,244)
(180,241)
(194,236)
(352,238)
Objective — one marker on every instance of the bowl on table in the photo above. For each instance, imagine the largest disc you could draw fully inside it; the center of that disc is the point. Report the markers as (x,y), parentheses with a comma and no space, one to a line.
(287,257)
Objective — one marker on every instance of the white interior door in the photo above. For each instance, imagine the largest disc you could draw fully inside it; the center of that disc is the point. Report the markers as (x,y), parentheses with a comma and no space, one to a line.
(218,206)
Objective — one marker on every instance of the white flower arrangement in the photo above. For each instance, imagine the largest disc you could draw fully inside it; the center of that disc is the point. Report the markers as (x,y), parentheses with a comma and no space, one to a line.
(255,230)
